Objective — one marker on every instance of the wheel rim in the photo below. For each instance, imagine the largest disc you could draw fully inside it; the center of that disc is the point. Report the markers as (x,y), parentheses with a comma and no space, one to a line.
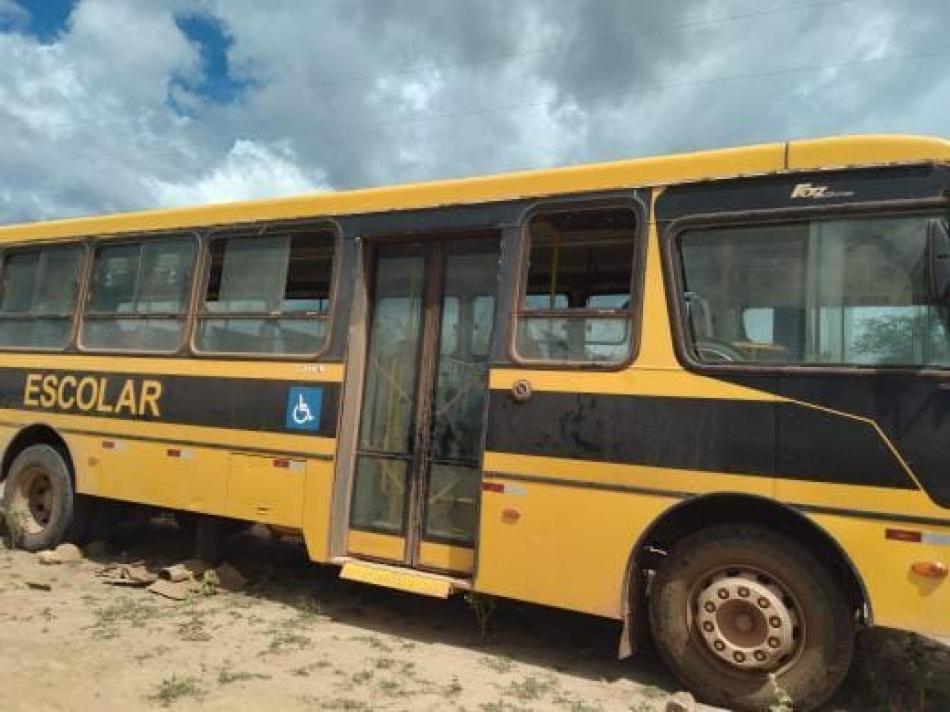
(747,619)
(33,500)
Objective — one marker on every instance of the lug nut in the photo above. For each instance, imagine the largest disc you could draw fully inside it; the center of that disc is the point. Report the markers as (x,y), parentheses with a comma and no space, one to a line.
(743,591)
(719,645)
(709,606)
(723,593)
(775,622)
(774,642)
(760,656)
(739,657)
(763,603)
(708,627)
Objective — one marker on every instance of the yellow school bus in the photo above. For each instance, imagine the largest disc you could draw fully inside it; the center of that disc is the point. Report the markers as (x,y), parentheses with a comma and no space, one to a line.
(707,391)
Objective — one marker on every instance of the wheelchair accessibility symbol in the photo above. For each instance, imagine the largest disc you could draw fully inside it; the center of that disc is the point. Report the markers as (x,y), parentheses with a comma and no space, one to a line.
(303,408)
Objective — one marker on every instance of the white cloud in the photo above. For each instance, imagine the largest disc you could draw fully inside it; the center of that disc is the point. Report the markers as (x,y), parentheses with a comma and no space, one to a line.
(249,170)
(363,93)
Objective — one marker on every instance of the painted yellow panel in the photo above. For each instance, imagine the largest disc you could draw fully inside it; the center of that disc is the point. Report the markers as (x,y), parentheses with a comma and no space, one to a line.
(561,546)
(145,472)
(899,597)
(656,343)
(402,580)
(277,370)
(671,382)
(266,489)
(642,477)
(457,559)
(863,150)
(880,500)
(317,496)
(7,434)
(378,546)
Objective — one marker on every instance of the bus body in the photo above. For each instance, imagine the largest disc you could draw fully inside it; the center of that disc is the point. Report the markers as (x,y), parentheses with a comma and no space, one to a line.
(710,387)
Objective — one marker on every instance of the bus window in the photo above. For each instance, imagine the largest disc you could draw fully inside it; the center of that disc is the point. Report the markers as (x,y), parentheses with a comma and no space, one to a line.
(576,305)
(847,292)
(138,300)
(267,294)
(38,296)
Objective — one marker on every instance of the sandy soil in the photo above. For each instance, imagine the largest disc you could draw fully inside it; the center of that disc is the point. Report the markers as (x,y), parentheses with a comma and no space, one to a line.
(298,638)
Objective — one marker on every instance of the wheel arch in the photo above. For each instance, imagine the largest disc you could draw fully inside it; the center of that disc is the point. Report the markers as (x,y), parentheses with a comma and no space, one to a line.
(695,513)
(35,434)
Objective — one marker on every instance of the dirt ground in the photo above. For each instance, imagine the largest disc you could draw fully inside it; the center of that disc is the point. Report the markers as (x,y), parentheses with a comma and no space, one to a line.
(298,638)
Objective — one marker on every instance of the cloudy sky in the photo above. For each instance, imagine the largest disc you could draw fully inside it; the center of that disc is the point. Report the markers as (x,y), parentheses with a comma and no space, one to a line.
(113,105)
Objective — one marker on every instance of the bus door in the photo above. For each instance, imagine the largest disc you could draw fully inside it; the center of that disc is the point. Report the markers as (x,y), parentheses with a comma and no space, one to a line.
(418,455)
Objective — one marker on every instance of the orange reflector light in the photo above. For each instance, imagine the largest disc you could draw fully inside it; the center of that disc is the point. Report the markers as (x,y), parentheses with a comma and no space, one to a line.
(173,452)
(903,535)
(510,515)
(281,462)
(930,569)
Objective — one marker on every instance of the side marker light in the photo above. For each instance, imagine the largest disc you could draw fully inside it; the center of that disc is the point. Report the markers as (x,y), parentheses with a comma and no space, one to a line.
(929,569)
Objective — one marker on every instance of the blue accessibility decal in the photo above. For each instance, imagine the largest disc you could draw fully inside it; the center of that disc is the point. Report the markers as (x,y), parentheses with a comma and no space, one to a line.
(303,408)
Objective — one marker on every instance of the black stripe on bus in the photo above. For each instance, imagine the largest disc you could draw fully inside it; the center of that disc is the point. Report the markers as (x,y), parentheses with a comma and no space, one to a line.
(211,401)
(769,439)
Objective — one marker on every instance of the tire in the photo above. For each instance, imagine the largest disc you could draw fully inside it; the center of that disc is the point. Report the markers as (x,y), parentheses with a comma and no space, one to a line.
(39,499)
(711,612)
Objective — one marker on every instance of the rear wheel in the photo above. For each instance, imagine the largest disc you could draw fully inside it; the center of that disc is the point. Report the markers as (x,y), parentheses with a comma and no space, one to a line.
(732,605)
(38,498)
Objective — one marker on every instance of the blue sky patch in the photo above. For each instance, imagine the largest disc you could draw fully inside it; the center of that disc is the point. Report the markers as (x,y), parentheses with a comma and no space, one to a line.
(216,83)
(44,19)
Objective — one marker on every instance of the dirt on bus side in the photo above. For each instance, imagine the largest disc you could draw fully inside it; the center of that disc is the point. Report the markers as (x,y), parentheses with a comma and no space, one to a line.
(298,638)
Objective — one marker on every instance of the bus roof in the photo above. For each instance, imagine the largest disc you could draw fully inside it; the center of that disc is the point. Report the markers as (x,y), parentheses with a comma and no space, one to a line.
(812,154)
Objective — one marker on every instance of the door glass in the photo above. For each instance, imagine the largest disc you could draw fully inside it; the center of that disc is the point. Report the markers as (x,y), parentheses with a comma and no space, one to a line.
(379,494)
(386,427)
(468,309)
(452,503)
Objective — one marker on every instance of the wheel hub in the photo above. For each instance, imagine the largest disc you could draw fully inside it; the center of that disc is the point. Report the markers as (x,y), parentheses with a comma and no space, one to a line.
(32,499)
(746,621)
(40,499)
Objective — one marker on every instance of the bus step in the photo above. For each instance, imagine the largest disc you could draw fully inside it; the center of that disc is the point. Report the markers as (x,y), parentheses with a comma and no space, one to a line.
(402,579)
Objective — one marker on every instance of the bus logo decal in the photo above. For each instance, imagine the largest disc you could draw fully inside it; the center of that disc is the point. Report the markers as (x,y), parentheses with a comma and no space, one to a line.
(303,408)
(810,190)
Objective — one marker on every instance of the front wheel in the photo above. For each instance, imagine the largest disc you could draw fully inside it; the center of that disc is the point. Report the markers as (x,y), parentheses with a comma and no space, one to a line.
(733,605)
(38,499)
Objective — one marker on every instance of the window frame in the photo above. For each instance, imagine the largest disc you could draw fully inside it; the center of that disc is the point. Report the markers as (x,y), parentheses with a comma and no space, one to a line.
(633,315)
(137,239)
(75,317)
(674,285)
(198,311)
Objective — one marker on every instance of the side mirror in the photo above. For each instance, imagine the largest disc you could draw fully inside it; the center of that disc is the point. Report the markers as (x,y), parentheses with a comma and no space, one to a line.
(938,261)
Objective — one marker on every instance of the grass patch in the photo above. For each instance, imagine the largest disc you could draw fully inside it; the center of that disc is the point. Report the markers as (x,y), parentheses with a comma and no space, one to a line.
(124,613)
(531,688)
(502,706)
(228,677)
(175,688)
(193,629)
(305,670)
(373,641)
(497,663)
(345,704)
